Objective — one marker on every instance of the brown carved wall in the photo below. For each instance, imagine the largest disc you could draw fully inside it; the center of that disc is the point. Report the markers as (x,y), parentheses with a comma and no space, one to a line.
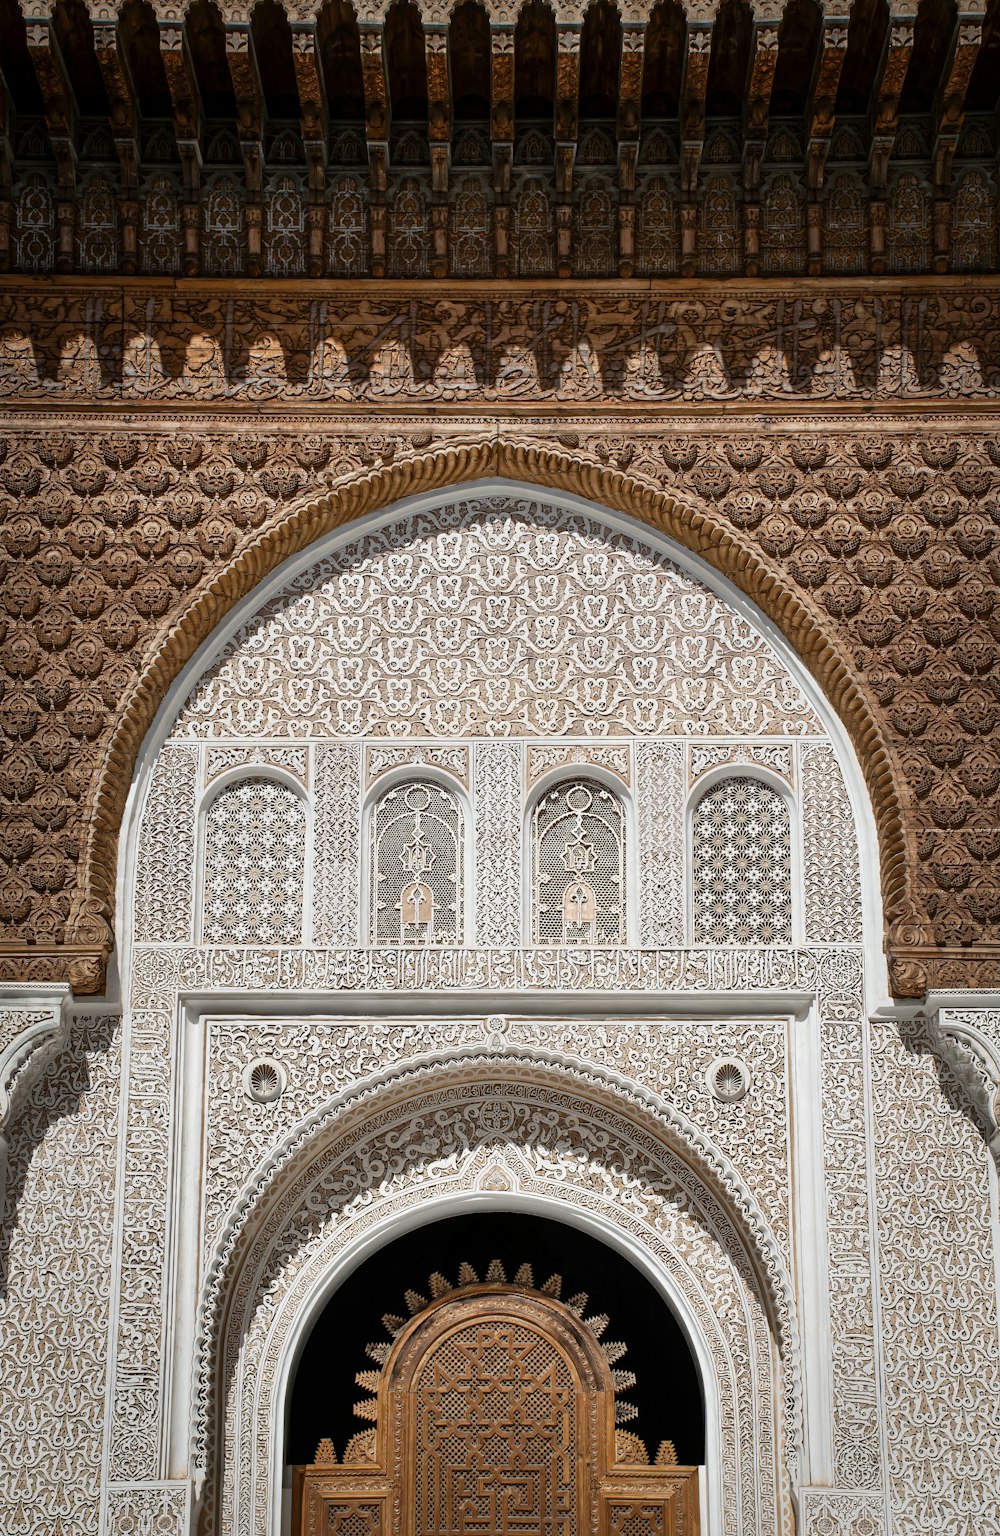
(836,452)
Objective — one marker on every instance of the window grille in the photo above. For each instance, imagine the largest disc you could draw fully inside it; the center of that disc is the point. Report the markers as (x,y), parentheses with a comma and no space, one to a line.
(742,863)
(657,236)
(284,226)
(222,234)
(409,229)
(161,226)
(348,241)
(416,866)
(255,847)
(578,865)
(35,222)
(97,226)
(595,242)
(471,228)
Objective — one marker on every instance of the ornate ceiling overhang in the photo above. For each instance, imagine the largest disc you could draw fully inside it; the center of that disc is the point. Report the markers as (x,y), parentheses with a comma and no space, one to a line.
(499,140)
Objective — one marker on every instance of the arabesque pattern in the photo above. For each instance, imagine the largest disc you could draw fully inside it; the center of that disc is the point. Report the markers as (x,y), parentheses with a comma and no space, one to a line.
(887,541)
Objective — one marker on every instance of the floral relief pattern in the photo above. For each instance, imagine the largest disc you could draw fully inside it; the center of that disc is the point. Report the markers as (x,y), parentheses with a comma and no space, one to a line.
(937,1272)
(547,1142)
(831,867)
(56,1265)
(905,585)
(645,648)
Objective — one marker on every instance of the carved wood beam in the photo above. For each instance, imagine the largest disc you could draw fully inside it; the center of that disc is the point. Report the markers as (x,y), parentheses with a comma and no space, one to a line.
(949,106)
(7,117)
(697,54)
(629,126)
(888,89)
(567,127)
(124,116)
(61,121)
(313,127)
(822,103)
(756,119)
(502,138)
(757,106)
(251,120)
(886,94)
(124,113)
(440,126)
(57,96)
(185,101)
(377,124)
(312,100)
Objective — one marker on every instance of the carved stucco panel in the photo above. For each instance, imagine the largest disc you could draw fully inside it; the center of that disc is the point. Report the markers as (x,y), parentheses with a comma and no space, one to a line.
(497,615)
(836,1512)
(554,1144)
(149,1509)
(57,1279)
(144,1220)
(938,1285)
(337,864)
(659,788)
(830,862)
(834,974)
(858,1452)
(499,856)
(325,1057)
(164,888)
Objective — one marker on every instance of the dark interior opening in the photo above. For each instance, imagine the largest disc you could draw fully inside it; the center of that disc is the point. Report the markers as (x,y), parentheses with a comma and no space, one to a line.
(667,1392)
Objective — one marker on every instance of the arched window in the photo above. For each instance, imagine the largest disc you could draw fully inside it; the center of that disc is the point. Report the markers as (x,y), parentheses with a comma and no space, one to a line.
(578,865)
(255,857)
(742,858)
(416,866)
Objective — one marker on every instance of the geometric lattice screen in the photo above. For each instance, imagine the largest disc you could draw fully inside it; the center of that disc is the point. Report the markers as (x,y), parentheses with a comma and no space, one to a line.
(495,1411)
(255,858)
(742,865)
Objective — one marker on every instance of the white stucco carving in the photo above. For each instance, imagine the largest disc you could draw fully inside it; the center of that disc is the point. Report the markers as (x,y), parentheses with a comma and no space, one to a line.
(289,1096)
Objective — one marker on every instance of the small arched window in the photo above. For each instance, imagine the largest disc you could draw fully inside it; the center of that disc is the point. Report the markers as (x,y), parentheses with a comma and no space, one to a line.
(578,865)
(742,865)
(255,858)
(416,866)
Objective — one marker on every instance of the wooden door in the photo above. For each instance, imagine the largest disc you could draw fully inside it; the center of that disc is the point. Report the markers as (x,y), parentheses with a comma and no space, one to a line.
(494,1415)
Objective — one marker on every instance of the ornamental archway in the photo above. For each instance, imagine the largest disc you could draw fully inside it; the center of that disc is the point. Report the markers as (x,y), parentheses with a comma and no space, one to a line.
(493,1129)
(94,909)
(567,648)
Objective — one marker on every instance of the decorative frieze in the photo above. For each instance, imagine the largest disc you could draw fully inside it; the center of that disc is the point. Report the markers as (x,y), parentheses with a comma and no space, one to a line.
(833,974)
(348,349)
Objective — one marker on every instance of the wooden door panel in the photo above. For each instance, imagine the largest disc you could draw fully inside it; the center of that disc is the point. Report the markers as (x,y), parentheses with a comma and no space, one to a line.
(495,1416)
